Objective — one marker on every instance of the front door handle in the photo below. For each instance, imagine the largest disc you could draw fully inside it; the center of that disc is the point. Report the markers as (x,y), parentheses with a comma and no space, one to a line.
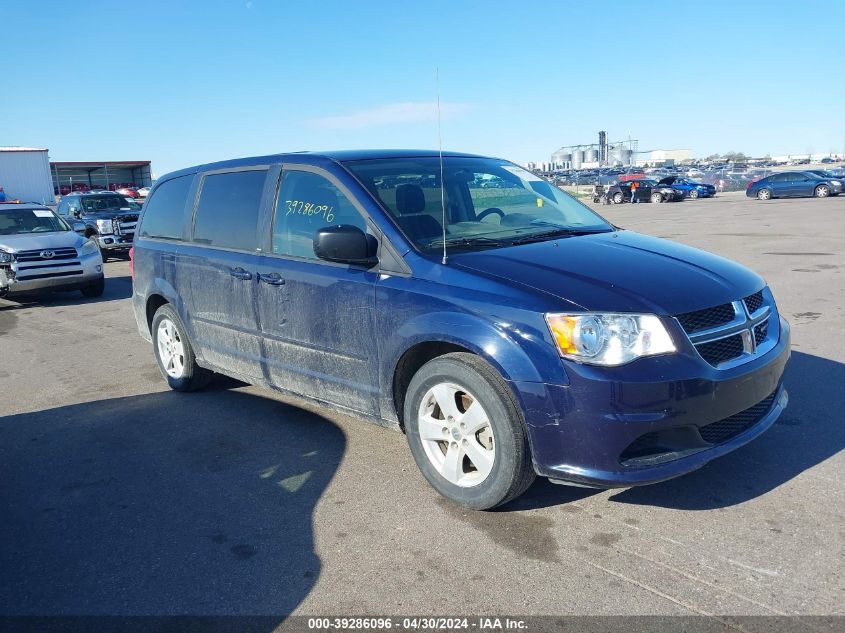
(274,279)
(240,273)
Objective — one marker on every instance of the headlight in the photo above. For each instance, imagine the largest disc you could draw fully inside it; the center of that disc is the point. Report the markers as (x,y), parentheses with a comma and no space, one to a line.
(838,183)
(105,226)
(609,339)
(6,258)
(89,248)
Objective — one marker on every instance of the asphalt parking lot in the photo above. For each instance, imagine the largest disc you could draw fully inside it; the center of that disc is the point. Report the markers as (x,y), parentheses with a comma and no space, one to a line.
(118,496)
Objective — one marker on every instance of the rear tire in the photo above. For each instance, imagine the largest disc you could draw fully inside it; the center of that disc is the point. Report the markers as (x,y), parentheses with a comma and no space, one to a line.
(474,449)
(174,353)
(822,191)
(95,289)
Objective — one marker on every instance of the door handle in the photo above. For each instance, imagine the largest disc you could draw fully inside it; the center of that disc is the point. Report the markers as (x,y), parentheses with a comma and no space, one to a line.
(274,279)
(240,273)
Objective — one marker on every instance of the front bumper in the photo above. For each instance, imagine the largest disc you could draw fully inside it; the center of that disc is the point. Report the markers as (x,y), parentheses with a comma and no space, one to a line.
(75,274)
(114,243)
(581,433)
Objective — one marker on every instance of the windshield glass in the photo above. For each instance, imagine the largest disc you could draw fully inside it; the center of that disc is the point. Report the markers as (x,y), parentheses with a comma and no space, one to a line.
(489,202)
(100,204)
(21,221)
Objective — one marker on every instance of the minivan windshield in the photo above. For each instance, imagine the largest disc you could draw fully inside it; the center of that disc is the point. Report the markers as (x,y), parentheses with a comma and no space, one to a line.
(24,221)
(488,202)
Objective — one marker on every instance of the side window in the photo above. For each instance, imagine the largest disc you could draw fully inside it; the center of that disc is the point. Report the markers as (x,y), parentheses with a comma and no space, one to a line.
(63,207)
(229,205)
(308,202)
(164,212)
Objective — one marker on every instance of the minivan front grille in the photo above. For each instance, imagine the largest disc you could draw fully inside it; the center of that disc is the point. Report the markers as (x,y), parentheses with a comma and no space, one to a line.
(753,302)
(761,331)
(707,318)
(730,427)
(721,350)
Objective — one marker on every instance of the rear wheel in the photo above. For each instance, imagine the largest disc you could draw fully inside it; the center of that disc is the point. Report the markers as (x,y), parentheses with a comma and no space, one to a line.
(618,198)
(466,432)
(656,197)
(173,351)
(693,193)
(764,194)
(822,191)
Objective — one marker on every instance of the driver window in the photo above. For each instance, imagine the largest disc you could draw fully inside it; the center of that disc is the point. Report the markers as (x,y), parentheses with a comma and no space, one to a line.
(308,202)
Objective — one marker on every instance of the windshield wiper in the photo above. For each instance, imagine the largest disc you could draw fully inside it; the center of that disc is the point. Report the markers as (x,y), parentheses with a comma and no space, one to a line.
(560,232)
(465,241)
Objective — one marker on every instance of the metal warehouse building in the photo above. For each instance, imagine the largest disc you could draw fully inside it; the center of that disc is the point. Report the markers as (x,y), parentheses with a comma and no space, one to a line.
(99,175)
(25,174)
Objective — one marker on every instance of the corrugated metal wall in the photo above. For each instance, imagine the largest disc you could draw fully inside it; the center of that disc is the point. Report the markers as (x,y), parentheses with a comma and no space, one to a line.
(26,175)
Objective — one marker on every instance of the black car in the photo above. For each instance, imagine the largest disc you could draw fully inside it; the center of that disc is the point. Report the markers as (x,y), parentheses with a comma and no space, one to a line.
(647,191)
(109,219)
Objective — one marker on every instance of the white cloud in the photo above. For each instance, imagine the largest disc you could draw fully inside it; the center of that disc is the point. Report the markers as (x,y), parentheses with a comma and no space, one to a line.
(391,114)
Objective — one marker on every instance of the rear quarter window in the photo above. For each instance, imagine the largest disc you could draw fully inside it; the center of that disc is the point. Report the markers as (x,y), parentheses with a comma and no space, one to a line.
(164,212)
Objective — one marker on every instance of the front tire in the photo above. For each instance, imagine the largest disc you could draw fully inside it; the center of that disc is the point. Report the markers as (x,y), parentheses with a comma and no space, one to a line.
(764,194)
(656,198)
(822,191)
(618,198)
(94,289)
(174,353)
(466,432)
(693,193)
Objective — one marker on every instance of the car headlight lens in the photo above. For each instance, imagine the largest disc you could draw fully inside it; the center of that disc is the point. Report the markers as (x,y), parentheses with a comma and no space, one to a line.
(89,248)
(838,183)
(6,258)
(609,339)
(105,226)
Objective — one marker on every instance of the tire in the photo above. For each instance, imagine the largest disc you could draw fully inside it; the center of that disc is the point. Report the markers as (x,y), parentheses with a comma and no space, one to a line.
(822,191)
(618,198)
(94,289)
(693,193)
(174,353)
(764,194)
(446,444)
(656,197)
(93,238)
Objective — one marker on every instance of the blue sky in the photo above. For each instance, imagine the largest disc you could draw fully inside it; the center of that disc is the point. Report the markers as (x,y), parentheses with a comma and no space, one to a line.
(181,83)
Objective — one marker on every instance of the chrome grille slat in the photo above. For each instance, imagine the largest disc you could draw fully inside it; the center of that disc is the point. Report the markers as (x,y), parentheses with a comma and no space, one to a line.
(35,256)
(732,333)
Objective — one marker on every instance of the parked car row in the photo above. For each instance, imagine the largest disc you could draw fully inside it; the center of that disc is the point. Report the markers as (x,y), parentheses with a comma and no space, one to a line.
(125,189)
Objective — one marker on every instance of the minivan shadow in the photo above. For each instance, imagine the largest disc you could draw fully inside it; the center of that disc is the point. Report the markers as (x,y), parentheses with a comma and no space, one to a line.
(809,432)
(165,503)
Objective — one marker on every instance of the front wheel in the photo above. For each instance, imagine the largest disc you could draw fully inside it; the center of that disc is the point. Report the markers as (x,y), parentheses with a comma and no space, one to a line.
(693,193)
(173,351)
(466,432)
(764,194)
(656,197)
(94,289)
(822,191)
(618,198)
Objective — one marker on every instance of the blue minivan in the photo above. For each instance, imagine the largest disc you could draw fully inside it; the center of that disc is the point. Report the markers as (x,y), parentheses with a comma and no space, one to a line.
(506,328)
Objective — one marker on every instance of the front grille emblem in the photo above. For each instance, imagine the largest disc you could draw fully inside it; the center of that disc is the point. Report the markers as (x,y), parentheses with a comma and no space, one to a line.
(47,254)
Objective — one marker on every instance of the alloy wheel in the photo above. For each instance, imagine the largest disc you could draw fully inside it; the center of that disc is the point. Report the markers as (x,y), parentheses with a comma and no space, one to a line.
(170,349)
(456,435)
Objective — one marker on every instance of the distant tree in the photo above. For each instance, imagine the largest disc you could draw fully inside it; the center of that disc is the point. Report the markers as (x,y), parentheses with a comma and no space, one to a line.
(735,157)
(712,157)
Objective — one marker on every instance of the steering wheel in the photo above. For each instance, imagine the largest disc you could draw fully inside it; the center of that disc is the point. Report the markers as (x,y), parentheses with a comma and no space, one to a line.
(487,212)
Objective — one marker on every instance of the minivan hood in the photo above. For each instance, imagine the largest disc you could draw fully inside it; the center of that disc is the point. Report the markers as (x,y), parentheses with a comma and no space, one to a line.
(618,271)
(39,241)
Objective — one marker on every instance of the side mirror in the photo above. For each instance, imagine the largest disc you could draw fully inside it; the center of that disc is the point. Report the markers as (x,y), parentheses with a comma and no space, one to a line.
(74,212)
(344,244)
(79,227)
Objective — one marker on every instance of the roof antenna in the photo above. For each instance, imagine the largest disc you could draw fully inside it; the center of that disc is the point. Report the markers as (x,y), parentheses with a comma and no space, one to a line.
(440,152)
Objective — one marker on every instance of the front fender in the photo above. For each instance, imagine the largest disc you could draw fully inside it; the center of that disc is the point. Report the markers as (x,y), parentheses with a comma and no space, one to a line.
(518,354)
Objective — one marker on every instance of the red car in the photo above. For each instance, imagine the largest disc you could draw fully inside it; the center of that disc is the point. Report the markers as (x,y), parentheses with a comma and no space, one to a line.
(128,192)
